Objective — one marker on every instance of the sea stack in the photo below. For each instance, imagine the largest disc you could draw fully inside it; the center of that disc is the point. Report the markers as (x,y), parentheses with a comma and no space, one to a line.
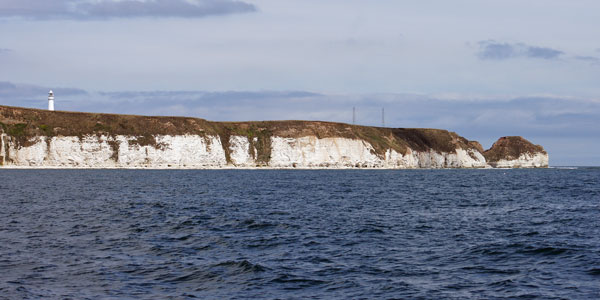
(516,152)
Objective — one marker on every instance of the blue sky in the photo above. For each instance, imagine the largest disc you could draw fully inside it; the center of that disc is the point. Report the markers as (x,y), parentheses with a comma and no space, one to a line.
(484,69)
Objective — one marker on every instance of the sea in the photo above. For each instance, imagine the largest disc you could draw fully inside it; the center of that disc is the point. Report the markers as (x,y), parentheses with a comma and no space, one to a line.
(300,234)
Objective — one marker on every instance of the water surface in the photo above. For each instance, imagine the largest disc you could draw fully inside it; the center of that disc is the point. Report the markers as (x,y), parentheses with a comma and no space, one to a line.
(321,234)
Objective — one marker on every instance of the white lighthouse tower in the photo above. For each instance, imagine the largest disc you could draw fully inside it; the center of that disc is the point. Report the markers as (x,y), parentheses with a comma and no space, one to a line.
(50,100)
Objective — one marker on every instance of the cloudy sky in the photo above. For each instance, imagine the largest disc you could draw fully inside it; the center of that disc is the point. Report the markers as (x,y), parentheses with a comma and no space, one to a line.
(484,69)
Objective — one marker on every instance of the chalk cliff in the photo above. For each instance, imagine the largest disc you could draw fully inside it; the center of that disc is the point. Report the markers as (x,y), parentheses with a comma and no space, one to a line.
(39,138)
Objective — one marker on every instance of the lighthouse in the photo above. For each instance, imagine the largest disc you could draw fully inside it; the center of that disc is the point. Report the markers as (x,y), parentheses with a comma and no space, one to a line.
(50,100)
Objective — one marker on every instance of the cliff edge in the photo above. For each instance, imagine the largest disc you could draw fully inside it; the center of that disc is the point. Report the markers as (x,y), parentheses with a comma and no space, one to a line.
(40,138)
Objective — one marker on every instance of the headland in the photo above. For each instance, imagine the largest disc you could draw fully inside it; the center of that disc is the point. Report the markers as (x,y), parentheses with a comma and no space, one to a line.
(59,139)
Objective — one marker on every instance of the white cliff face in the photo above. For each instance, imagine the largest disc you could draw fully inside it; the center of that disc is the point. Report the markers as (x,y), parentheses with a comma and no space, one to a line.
(186,151)
(471,158)
(307,152)
(240,154)
(71,151)
(460,159)
(395,160)
(194,151)
(310,151)
(526,160)
(33,155)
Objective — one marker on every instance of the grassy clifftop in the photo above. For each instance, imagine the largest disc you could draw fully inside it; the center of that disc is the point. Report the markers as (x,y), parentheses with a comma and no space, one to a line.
(23,124)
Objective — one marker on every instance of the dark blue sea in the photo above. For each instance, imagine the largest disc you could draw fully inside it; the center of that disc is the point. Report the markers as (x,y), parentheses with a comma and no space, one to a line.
(318,234)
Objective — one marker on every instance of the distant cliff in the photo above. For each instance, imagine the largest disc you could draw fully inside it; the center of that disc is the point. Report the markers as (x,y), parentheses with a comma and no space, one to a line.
(40,138)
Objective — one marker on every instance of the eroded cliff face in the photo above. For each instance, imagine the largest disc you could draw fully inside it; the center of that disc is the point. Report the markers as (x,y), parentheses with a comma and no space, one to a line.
(310,151)
(192,151)
(37,138)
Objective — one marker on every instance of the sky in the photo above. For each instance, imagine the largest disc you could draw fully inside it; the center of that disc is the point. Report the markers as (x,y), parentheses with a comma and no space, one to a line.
(483,69)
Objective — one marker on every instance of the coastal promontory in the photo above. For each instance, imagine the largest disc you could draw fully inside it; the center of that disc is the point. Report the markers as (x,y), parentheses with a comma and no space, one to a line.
(59,139)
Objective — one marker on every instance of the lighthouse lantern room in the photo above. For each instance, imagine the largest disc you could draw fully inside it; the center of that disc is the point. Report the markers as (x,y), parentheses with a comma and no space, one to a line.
(50,100)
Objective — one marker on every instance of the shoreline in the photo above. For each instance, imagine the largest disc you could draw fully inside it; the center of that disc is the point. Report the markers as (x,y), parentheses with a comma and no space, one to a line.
(251,168)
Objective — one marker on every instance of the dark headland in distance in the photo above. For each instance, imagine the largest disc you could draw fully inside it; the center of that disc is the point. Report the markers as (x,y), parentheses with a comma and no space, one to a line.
(42,138)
